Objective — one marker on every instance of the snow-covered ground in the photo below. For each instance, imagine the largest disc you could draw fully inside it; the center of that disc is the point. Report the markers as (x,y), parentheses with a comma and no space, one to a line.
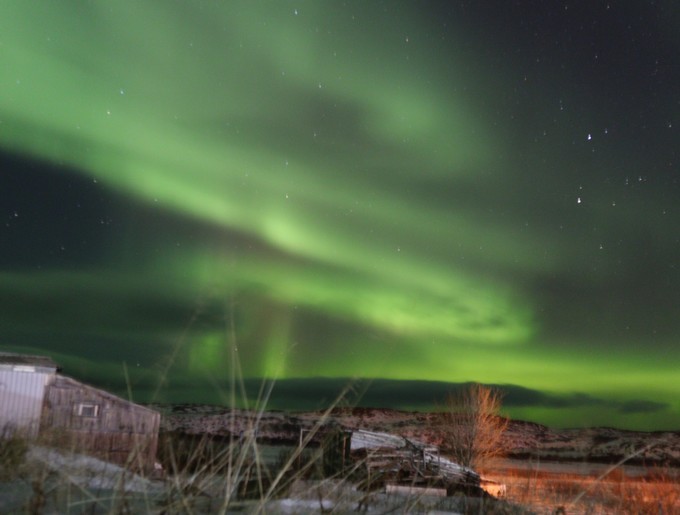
(52,481)
(55,482)
(88,472)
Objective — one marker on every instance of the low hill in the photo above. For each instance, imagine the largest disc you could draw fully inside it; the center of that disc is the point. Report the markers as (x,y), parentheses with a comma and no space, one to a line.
(522,440)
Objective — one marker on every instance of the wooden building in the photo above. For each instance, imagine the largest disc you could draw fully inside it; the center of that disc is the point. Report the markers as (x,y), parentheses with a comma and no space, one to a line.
(40,403)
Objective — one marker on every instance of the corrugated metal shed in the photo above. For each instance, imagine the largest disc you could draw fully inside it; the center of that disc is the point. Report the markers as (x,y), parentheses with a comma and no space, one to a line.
(23,380)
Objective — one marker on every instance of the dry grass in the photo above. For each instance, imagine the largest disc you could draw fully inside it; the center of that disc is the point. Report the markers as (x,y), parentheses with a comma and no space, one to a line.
(13,449)
(224,477)
(658,492)
(230,475)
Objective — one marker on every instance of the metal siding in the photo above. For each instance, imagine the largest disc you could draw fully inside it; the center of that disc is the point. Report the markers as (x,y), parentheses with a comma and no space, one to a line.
(21,399)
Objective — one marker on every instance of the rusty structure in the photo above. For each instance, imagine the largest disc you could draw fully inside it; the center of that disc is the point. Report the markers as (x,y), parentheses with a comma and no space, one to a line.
(41,404)
(394,462)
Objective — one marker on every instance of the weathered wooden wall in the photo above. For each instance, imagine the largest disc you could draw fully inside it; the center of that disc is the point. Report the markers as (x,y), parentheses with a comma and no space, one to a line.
(121,432)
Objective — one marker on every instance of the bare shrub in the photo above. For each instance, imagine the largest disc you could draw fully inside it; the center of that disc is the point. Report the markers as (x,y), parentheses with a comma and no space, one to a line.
(472,426)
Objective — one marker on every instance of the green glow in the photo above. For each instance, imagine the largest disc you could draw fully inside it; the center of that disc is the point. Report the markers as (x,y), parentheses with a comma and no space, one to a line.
(209,354)
(395,307)
(370,210)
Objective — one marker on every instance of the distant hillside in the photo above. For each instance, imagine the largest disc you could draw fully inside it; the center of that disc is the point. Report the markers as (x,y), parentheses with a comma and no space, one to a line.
(523,440)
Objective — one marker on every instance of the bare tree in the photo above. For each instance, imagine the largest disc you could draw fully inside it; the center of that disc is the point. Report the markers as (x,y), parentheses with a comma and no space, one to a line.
(472,426)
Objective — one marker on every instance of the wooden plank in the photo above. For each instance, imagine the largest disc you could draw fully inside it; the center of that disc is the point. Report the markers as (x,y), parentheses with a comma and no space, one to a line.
(414,490)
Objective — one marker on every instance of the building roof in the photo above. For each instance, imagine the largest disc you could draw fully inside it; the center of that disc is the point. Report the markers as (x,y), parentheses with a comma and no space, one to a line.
(9,358)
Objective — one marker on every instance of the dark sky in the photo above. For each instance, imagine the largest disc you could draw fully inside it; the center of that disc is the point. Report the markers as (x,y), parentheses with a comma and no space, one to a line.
(414,194)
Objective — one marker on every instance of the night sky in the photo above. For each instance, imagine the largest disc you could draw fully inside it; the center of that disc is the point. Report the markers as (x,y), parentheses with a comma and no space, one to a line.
(416,194)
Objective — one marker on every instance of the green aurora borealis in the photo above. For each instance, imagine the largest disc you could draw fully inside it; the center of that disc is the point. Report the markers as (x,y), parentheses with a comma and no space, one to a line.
(395,190)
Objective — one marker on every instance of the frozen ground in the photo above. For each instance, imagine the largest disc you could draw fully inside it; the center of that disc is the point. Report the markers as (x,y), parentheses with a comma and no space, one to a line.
(51,481)
(54,482)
